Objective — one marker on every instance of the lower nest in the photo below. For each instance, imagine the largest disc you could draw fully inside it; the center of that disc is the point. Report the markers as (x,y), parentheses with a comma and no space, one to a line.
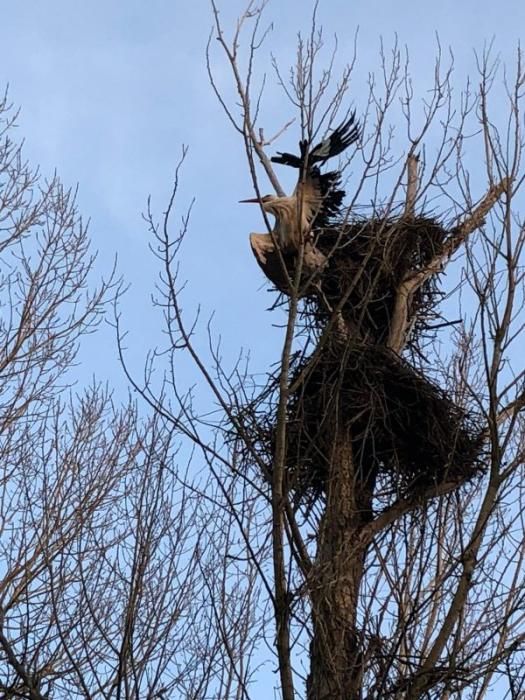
(400,424)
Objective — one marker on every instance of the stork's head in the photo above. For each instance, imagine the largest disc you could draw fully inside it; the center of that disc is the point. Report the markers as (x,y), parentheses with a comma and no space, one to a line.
(278,206)
(284,209)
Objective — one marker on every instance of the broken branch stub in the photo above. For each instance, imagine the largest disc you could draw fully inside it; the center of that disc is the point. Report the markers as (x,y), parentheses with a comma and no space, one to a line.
(412,183)
(414,279)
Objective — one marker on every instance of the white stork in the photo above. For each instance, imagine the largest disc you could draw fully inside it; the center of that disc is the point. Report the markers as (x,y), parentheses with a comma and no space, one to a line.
(317,196)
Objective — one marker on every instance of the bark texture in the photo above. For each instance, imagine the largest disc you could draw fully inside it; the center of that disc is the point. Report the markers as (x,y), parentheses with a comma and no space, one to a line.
(336,651)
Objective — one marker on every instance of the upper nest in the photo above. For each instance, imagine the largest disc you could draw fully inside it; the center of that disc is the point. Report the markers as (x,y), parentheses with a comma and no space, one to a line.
(366,262)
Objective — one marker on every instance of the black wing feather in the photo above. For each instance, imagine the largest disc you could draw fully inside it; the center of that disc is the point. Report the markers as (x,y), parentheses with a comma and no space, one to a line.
(332,196)
(328,184)
(290,159)
(334,144)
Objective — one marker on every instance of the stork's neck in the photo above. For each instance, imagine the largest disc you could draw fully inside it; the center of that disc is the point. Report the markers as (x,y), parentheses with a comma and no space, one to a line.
(286,229)
(283,232)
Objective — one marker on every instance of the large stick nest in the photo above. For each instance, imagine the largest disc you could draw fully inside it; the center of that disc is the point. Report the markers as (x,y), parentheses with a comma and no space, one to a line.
(366,263)
(403,428)
(400,424)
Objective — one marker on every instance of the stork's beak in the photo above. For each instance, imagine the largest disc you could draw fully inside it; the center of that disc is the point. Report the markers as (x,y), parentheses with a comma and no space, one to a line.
(249,201)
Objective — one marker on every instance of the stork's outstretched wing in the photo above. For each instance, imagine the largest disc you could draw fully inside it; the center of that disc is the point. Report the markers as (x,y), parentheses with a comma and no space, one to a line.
(334,144)
(319,194)
(320,197)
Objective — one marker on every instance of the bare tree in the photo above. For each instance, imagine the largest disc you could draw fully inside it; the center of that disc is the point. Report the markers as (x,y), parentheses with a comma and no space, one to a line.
(109,557)
(374,482)
(359,511)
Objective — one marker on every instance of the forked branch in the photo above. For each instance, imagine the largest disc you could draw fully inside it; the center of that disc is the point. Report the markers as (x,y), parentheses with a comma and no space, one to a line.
(400,319)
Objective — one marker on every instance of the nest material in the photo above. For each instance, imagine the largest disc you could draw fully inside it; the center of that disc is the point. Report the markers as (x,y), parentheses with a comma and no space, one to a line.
(403,428)
(399,422)
(367,261)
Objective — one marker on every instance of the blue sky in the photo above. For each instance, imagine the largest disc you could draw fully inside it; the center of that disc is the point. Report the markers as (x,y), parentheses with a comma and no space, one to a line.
(110,90)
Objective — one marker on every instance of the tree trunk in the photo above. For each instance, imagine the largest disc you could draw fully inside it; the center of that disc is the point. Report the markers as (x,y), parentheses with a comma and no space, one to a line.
(336,649)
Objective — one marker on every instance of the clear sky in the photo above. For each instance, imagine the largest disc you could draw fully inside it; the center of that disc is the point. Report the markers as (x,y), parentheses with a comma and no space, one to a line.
(110,89)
